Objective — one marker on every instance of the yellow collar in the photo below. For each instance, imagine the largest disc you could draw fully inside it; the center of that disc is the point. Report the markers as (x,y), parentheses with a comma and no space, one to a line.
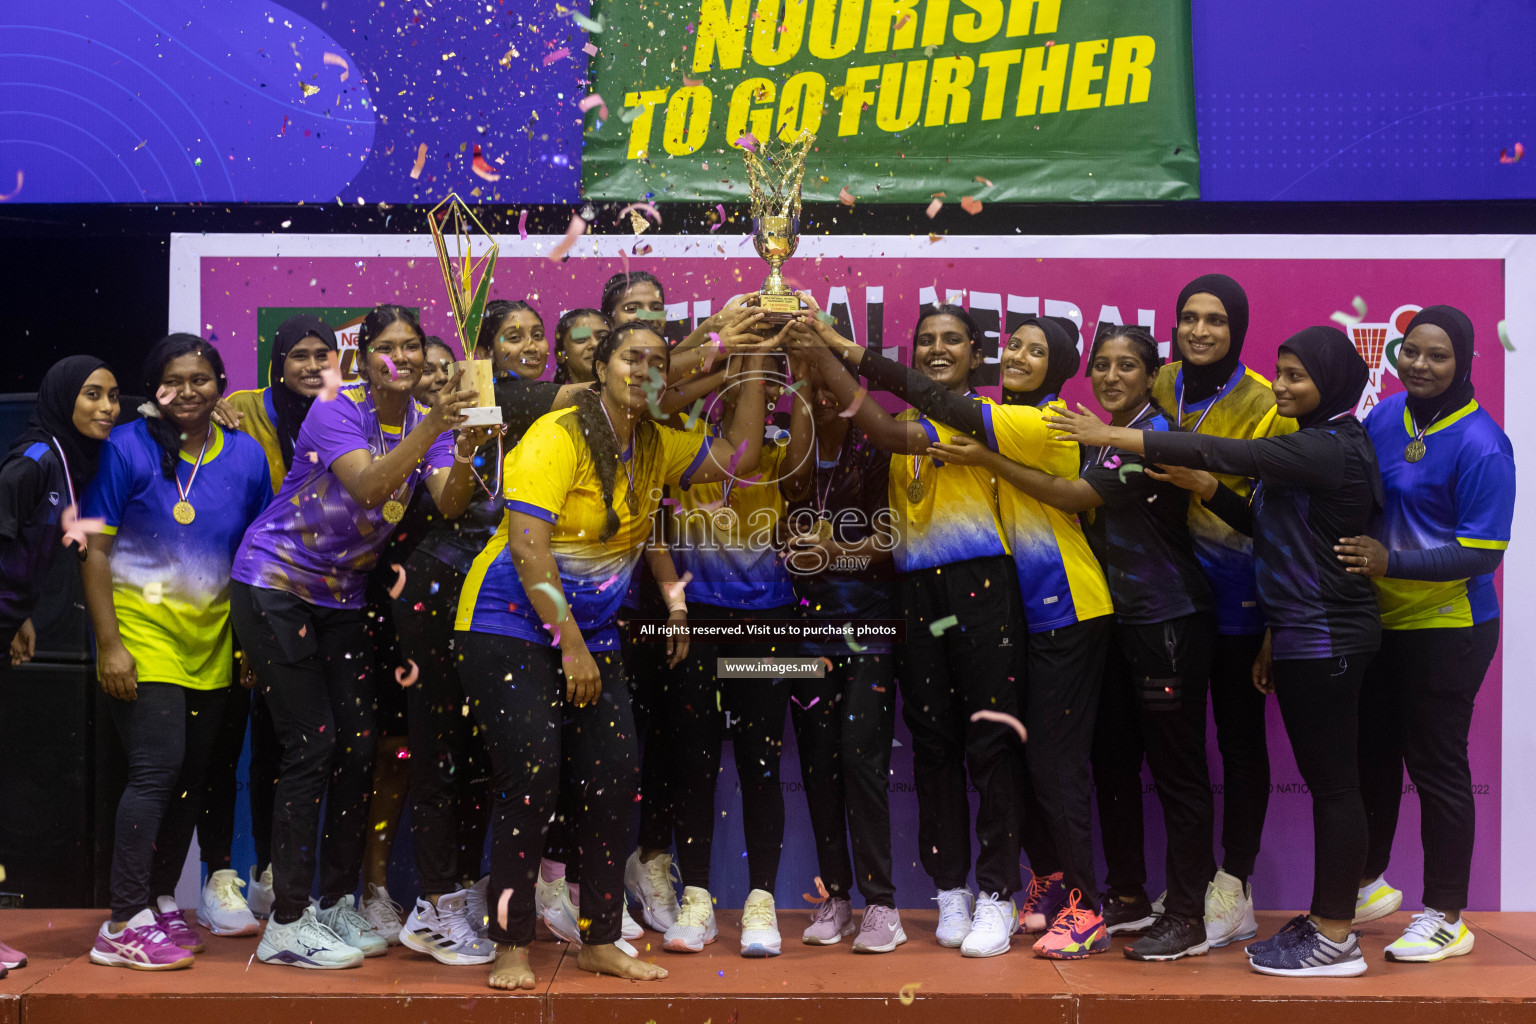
(1440,425)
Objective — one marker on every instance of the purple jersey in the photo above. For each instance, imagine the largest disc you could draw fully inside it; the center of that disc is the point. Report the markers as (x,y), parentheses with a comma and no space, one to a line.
(314,540)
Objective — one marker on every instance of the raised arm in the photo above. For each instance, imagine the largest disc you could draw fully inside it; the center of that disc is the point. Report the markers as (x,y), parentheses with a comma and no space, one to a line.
(887,433)
(370,481)
(745,435)
(1068,495)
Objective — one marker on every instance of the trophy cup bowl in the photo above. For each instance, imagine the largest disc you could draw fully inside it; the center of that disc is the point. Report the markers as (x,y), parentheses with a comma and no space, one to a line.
(480,374)
(774,171)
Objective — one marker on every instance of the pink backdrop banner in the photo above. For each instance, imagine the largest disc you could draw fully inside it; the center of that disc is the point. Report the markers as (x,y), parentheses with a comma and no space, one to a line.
(878,295)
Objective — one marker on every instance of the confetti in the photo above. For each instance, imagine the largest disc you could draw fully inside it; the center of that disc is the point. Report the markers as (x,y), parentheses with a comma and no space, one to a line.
(399,584)
(501,908)
(853,406)
(938,626)
(164,395)
(389,364)
(845,197)
(1131,467)
(610,581)
(522,226)
(908,993)
(580,332)
(1005,718)
(587,23)
(307,89)
(154,592)
(1509,346)
(901,22)
(646,208)
(13,193)
(482,167)
(573,231)
(77,529)
(1346,321)
(589,50)
(720,209)
(650,314)
(550,58)
(984,181)
(856,648)
(331,376)
(693,414)
(407,678)
(970,204)
(692,83)
(337,60)
(556,596)
(934,207)
(748,142)
(821,889)
(421,160)
(1505,158)
(594,100)
(805,707)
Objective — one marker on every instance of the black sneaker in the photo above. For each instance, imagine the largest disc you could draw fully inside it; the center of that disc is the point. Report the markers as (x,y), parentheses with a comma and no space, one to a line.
(1130,918)
(1172,936)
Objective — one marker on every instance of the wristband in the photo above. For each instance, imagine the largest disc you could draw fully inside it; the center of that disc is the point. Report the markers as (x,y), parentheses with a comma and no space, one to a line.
(463,460)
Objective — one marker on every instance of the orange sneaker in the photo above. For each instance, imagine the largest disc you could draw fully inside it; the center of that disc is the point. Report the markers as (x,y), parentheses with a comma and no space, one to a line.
(1077,932)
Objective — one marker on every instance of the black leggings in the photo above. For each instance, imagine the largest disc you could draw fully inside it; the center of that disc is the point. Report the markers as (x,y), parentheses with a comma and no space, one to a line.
(646,664)
(972,666)
(844,723)
(539,744)
(1238,709)
(688,722)
(216,824)
(1421,689)
(450,772)
(169,733)
(1320,702)
(315,669)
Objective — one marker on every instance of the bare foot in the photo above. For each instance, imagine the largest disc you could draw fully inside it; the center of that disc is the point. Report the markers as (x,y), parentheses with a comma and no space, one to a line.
(511,969)
(610,959)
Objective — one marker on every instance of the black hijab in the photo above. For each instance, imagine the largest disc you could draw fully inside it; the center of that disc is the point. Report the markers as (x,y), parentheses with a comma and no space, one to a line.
(290,406)
(1456,324)
(1201,382)
(1061,364)
(1335,368)
(53,417)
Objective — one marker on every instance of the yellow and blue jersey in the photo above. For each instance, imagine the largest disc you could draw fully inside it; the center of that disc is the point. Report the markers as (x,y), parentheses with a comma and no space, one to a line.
(733,558)
(956,518)
(170,582)
(1461,492)
(1244,408)
(1060,580)
(550,476)
(258,420)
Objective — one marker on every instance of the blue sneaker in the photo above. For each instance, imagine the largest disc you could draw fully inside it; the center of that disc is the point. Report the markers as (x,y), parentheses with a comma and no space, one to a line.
(1280,938)
(1311,954)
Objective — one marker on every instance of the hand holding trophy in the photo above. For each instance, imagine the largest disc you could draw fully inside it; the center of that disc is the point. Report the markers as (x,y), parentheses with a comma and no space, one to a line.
(774,171)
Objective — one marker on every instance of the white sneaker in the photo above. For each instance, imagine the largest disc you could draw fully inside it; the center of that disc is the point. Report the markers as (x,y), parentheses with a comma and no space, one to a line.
(221,909)
(552,901)
(306,943)
(1376,900)
(260,898)
(695,927)
(955,908)
(478,906)
(445,932)
(1431,938)
(650,885)
(993,924)
(760,925)
(632,929)
(1228,911)
(351,927)
(383,914)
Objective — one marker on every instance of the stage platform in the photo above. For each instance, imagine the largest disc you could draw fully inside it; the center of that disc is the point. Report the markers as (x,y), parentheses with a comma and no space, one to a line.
(816,985)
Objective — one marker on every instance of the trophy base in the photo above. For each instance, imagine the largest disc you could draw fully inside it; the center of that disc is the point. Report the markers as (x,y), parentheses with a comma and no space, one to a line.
(482,416)
(780,309)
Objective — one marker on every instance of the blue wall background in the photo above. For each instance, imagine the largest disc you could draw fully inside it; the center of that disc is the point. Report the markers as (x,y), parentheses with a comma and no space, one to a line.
(205,100)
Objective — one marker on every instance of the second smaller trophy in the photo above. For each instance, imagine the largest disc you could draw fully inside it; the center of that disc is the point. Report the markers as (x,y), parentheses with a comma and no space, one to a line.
(774,171)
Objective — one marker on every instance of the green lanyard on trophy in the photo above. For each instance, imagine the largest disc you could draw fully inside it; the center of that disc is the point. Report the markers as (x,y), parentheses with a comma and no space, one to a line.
(774,171)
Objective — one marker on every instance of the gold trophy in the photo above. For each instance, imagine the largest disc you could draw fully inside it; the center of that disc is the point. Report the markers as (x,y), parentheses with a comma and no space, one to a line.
(774,171)
(467,297)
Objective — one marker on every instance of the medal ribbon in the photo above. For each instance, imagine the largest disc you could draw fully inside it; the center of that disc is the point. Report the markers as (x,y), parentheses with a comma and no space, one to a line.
(183,491)
(405,428)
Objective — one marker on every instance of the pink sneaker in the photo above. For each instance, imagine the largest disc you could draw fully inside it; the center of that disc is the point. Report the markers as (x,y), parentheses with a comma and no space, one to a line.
(1077,932)
(11,958)
(141,946)
(174,923)
(1043,900)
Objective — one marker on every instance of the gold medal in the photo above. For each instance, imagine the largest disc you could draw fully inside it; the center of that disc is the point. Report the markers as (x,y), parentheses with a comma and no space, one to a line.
(724,520)
(393,511)
(824,529)
(183,512)
(1415,450)
(915,490)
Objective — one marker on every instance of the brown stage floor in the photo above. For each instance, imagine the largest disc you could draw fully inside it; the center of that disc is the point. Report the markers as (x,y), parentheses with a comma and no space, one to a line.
(826,985)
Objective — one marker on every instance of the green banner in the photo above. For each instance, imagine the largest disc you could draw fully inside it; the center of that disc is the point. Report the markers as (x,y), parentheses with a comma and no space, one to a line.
(1000,100)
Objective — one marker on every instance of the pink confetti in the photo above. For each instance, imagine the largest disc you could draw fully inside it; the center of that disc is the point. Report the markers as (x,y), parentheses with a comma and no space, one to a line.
(421,160)
(970,204)
(671,501)
(715,345)
(550,58)
(483,167)
(389,364)
(821,887)
(720,209)
(331,376)
(165,394)
(934,208)
(501,908)
(736,457)
(522,225)
(805,707)
(337,60)
(845,197)
(399,584)
(573,231)
(748,142)
(76,529)
(1007,719)
(1504,158)
(853,406)
(982,180)
(645,208)
(610,581)
(692,83)
(407,678)
(589,50)
(594,100)
(13,193)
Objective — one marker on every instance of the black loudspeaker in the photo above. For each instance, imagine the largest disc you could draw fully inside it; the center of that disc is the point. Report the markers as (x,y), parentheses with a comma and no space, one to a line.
(47,783)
